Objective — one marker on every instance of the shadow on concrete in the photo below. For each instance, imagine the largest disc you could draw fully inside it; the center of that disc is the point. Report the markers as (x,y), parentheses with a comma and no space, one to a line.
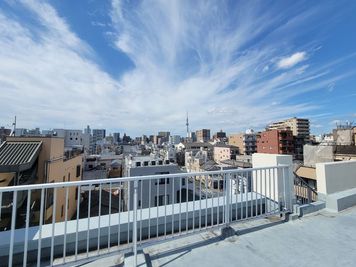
(188,247)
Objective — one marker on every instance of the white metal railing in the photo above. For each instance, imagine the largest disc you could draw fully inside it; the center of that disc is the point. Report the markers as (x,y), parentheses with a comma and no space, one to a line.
(120,214)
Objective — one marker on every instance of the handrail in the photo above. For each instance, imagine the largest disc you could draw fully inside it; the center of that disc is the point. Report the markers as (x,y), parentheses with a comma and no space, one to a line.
(304,183)
(129,179)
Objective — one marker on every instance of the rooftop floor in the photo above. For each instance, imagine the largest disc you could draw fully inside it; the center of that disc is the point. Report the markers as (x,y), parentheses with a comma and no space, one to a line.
(319,239)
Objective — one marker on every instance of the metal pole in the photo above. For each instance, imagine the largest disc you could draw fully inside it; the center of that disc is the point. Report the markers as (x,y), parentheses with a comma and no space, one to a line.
(134,228)
(227,199)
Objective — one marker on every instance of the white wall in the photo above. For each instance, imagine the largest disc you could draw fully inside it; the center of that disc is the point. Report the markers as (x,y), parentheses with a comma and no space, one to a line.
(335,177)
(270,182)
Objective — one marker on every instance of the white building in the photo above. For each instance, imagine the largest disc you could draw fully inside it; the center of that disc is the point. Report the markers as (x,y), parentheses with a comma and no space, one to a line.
(154,192)
(174,139)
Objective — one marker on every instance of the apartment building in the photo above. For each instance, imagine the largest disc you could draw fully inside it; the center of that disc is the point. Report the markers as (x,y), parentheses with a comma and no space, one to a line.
(203,135)
(301,133)
(225,152)
(30,160)
(246,142)
(276,142)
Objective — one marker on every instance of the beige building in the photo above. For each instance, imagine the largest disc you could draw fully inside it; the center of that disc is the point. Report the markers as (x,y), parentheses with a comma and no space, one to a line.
(203,135)
(41,160)
(299,127)
(246,142)
(225,152)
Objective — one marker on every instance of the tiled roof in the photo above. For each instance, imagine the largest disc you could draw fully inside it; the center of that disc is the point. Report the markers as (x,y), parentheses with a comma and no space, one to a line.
(18,155)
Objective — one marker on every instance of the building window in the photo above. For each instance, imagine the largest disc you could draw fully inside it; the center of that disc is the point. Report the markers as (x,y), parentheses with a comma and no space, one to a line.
(162,200)
(78,171)
(68,176)
(64,178)
(163,181)
(62,211)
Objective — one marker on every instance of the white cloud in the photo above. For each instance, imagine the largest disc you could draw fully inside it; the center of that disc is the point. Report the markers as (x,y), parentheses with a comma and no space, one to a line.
(290,61)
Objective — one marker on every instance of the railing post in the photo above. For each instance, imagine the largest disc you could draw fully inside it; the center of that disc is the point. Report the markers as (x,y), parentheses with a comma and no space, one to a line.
(134,228)
(227,198)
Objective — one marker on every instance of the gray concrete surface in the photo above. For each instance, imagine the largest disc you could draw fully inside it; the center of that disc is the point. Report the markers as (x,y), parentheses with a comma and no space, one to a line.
(319,239)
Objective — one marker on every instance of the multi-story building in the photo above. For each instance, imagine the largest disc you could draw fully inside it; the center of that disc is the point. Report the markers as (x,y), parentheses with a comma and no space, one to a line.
(3,133)
(300,129)
(117,138)
(174,139)
(163,190)
(30,160)
(203,135)
(276,142)
(220,136)
(344,135)
(98,135)
(246,142)
(225,152)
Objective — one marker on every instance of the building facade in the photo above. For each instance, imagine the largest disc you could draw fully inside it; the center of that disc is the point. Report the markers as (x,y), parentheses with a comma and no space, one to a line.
(276,142)
(203,135)
(158,192)
(246,142)
(301,133)
(46,162)
(225,152)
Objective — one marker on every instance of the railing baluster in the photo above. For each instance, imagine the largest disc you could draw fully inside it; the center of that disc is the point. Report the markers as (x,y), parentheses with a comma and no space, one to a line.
(128,212)
(99,220)
(200,207)
(206,200)
(13,225)
(65,228)
(141,206)
(109,229)
(246,194)
(40,229)
(165,208)
(53,222)
(28,206)
(134,227)
(157,198)
(173,202)
(254,190)
(193,177)
(77,223)
(88,227)
(180,205)
(149,208)
(119,220)
(186,200)
(212,205)
(218,207)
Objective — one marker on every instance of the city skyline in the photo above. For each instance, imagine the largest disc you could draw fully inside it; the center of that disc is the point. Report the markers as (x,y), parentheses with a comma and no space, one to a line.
(231,65)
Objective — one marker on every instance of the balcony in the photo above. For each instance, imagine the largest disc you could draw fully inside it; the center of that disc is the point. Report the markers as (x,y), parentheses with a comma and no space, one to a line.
(146,212)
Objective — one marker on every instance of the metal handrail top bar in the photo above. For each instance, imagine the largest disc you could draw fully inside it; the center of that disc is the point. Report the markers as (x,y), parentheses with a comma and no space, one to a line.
(129,179)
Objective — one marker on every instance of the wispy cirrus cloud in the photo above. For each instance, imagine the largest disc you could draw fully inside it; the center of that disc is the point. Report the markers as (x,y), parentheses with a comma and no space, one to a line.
(292,60)
(232,65)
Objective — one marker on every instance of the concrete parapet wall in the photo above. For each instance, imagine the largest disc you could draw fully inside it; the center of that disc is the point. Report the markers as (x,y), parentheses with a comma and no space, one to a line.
(335,177)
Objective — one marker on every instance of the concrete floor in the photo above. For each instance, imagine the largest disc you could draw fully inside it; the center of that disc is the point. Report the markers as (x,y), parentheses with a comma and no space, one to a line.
(319,239)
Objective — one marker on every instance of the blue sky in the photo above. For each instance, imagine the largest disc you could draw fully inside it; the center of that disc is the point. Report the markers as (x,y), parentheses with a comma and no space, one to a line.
(139,66)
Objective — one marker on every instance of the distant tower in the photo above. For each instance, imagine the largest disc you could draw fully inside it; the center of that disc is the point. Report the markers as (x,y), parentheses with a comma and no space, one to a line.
(187,124)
